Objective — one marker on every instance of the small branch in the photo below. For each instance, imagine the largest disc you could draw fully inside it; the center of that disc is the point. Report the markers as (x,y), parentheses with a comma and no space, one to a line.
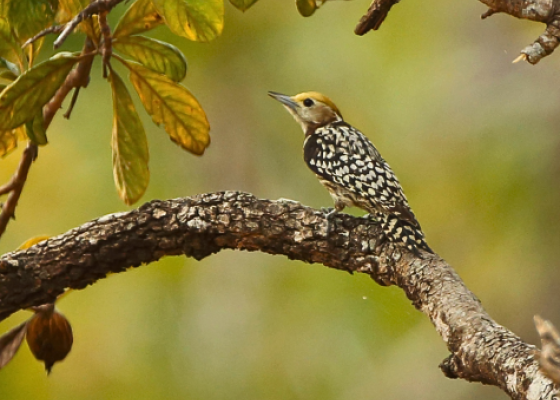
(481,350)
(94,8)
(45,32)
(550,349)
(72,103)
(545,11)
(107,46)
(15,186)
(488,13)
(375,16)
(78,77)
(545,43)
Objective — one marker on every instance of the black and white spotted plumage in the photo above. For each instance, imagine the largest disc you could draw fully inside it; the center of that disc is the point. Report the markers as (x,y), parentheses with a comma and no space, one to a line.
(355,174)
(350,167)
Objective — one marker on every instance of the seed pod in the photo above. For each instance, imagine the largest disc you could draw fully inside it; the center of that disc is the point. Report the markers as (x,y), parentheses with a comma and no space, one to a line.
(49,335)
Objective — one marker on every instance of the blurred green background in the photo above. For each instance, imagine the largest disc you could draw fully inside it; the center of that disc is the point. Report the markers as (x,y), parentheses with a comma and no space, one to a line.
(473,138)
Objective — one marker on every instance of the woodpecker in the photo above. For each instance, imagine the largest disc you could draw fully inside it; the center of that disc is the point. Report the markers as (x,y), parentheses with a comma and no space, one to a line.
(347,163)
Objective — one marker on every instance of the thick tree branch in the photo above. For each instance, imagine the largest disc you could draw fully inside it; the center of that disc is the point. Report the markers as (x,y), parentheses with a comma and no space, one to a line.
(545,11)
(481,350)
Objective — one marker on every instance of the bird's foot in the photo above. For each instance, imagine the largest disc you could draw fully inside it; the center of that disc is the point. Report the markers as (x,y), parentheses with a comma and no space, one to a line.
(329,214)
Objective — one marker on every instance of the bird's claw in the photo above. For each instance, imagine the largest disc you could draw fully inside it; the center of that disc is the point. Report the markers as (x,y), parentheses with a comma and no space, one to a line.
(329,213)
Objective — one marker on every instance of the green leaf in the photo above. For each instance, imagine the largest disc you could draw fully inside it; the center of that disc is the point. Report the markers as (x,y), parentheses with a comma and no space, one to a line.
(6,65)
(130,147)
(4,8)
(36,131)
(158,56)
(10,138)
(306,7)
(7,74)
(242,5)
(199,20)
(140,17)
(172,105)
(24,98)
(9,48)
(67,9)
(29,17)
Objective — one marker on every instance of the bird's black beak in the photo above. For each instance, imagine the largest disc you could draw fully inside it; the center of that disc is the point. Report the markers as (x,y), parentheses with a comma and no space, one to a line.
(286,100)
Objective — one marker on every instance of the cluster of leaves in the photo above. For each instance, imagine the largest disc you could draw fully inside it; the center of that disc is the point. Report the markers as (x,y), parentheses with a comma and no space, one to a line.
(155,70)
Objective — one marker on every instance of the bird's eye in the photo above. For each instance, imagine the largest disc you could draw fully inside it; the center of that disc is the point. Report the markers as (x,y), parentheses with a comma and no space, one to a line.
(307,102)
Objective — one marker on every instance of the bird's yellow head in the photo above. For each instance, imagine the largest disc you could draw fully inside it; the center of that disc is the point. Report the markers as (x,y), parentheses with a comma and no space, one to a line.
(310,109)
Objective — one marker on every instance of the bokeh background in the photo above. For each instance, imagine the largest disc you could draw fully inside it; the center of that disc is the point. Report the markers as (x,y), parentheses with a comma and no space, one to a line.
(473,138)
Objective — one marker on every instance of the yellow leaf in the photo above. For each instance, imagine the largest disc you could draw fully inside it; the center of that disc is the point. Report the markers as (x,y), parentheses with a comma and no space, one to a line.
(140,17)
(199,20)
(9,48)
(172,105)
(29,17)
(129,144)
(10,138)
(32,242)
(158,56)
(68,9)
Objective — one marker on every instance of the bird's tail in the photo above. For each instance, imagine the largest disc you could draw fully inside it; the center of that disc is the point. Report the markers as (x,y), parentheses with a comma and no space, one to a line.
(403,233)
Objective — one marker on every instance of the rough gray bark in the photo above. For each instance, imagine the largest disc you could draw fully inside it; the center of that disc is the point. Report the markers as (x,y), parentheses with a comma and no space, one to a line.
(545,11)
(481,350)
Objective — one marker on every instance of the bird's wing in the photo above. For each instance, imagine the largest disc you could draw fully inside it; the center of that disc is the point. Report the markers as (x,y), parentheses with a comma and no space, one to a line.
(342,155)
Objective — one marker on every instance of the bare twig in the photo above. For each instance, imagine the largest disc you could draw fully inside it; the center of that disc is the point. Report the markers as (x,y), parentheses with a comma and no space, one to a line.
(545,43)
(95,8)
(545,11)
(44,32)
(375,16)
(550,349)
(72,103)
(488,13)
(15,186)
(107,45)
(78,77)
